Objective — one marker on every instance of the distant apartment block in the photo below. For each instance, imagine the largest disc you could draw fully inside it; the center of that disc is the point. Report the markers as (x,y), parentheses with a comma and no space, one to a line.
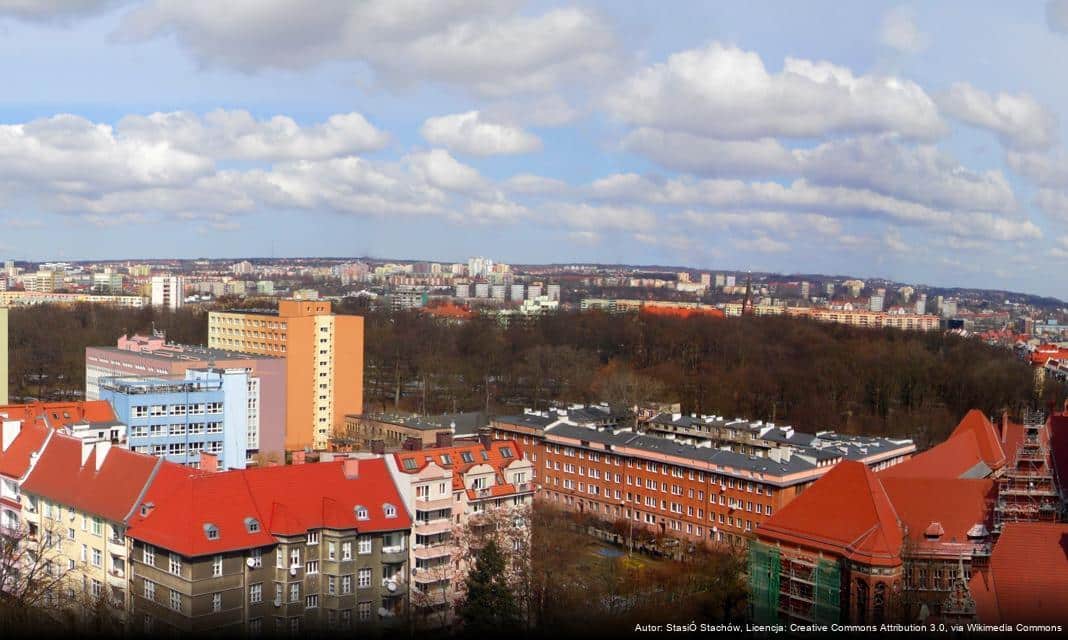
(323,357)
(394,431)
(168,292)
(24,298)
(153,356)
(177,417)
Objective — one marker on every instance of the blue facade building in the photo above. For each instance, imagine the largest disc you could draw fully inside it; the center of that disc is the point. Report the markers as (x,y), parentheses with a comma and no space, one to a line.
(177,417)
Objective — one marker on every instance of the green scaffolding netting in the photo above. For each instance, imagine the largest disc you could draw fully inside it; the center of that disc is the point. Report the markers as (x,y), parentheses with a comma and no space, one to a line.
(828,590)
(763,583)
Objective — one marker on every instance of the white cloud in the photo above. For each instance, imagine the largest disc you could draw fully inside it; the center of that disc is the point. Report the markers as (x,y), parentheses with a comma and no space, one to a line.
(485,45)
(54,10)
(898,31)
(237,135)
(688,152)
(441,170)
(1018,120)
(724,92)
(1053,203)
(762,244)
(530,184)
(471,133)
(599,218)
(1046,170)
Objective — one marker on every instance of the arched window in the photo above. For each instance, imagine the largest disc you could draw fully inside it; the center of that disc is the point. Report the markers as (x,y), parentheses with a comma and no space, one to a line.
(862,601)
(390,510)
(361,512)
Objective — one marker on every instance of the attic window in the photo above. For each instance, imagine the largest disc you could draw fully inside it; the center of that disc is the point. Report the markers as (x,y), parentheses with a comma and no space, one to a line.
(446,458)
(211,531)
(409,463)
(467,457)
(485,456)
(506,452)
(252,525)
(361,512)
(390,510)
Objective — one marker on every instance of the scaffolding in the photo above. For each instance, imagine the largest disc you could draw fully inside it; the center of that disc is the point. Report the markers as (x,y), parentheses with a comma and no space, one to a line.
(792,588)
(1027,491)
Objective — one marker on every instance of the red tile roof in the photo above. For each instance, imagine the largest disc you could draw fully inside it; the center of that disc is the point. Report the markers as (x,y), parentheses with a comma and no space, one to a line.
(287,500)
(456,463)
(867,530)
(60,414)
(16,460)
(1027,581)
(974,441)
(953,504)
(110,493)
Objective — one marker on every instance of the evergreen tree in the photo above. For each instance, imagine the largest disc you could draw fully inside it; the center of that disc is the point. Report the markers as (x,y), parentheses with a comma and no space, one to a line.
(489,605)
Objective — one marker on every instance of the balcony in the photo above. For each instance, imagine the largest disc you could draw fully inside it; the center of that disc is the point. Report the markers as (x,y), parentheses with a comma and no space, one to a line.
(394,553)
(432,527)
(426,552)
(424,504)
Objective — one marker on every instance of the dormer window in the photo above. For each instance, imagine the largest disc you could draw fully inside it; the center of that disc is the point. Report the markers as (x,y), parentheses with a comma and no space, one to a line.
(506,452)
(446,459)
(390,510)
(409,463)
(485,456)
(211,531)
(252,525)
(361,513)
(467,457)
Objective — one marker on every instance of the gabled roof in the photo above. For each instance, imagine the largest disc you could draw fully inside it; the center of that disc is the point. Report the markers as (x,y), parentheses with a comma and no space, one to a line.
(452,458)
(284,501)
(60,414)
(16,460)
(956,506)
(973,450)
(846,512)
(110,492)
(1027,581)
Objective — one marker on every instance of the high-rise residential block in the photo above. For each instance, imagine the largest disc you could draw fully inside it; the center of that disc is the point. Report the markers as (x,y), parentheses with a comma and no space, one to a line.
(324,362)
(168,291)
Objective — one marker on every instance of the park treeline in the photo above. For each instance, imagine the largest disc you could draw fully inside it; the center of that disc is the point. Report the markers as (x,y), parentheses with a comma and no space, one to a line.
(811,375)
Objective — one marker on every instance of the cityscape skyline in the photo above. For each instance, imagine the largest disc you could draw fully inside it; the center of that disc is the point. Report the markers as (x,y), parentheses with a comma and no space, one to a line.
(877,146)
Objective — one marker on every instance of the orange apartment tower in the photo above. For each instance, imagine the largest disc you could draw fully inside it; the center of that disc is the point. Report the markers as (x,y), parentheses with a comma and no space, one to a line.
(324,362)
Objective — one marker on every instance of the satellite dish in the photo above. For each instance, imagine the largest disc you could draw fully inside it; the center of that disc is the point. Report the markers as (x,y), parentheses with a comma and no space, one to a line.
(292,571)
(391,585)
(250,562)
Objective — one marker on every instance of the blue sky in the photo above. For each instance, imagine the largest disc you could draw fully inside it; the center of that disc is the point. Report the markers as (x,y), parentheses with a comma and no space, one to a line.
(922,142)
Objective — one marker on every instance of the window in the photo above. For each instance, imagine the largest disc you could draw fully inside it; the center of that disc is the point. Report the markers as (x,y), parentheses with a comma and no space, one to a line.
(446,459)
(255,593)
(280,558)
(257,558)
(150,590)
(175,564)
(294,557)
(331,550)
(211,531)
(98,527)
(363,578)
(217,566)
(96,588)
(361,512)
(390,510)
(313,537)
(467,457)
(216,602)
(346,584)
(252,525)
(294,592)
(313,567)
(294,625)
(331,585)
(346,551)
(255,626)
(312,601)
(410,464)
(363,611)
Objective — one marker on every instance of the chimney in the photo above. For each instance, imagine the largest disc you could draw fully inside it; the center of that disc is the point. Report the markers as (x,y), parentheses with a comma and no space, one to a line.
(378,447)
(209,462)
(411,443)
(298,457)
(102,449)
(443,439)
(485,436)
(11,431)
(351,468)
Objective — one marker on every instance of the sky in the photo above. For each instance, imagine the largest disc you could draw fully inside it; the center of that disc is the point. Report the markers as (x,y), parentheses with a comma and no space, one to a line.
(917,142)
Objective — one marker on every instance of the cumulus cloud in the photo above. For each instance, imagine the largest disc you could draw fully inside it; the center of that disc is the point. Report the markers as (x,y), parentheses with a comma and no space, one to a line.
(1053,203)
(1019,121)
(485,45)
(471,133)
(724,92)
(604,217)
(700,154)
(898,31)
(237,135)
(530,184)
